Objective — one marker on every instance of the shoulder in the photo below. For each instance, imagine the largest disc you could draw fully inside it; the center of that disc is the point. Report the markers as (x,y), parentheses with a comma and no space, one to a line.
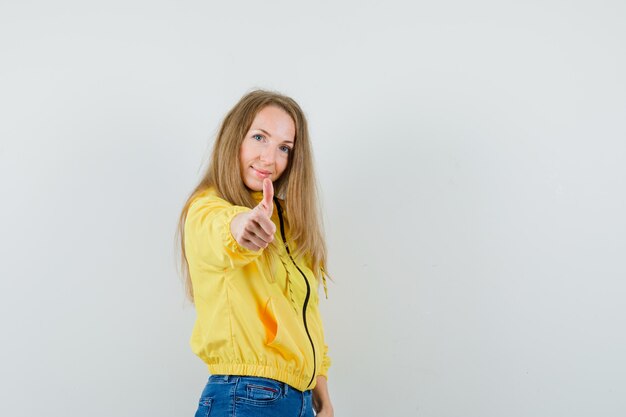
(207,195)
(206,199)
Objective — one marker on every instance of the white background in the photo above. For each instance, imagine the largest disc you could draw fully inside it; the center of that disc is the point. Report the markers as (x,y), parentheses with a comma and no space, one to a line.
(471,161)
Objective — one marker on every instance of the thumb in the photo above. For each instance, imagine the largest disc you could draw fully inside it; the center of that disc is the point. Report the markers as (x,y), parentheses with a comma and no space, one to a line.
(268,196)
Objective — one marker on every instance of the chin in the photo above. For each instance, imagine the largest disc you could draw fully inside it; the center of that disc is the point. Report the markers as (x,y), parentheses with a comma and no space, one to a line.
(254,185)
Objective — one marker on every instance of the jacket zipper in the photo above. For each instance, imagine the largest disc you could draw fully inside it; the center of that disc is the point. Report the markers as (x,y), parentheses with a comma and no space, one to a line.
(306,281)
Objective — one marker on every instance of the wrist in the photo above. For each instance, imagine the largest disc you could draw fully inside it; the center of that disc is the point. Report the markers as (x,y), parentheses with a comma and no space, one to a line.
(322,404)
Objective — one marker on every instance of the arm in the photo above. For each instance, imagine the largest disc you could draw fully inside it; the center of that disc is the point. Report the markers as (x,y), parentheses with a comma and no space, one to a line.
(220,235)
(209,242)
(321,399)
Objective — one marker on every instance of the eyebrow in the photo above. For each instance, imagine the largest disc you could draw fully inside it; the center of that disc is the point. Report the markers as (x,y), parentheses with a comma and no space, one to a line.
(268,134)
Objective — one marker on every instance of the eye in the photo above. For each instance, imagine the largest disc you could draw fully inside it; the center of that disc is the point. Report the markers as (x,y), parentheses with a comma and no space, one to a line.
(285,149)
(257,137)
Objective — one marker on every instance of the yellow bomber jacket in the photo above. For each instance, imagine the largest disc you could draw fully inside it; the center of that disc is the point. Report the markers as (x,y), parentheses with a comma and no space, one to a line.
(248,323)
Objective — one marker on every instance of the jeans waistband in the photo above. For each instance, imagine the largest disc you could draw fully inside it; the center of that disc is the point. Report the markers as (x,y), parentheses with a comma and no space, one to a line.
(231,379)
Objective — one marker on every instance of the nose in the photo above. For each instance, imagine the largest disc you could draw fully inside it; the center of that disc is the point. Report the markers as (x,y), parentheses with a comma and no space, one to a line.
(268,155)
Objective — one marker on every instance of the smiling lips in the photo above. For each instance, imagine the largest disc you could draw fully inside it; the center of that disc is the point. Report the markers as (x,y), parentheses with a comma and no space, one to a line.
(261,173)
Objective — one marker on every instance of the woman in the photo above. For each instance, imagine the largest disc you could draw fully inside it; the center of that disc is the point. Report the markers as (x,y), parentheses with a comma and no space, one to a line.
(253,255)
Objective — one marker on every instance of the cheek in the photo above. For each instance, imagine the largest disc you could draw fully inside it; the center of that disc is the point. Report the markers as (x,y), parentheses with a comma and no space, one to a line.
(245,153)
(282,164)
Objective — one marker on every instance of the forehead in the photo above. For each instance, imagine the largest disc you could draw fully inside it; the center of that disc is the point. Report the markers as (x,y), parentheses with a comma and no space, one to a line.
(276,121)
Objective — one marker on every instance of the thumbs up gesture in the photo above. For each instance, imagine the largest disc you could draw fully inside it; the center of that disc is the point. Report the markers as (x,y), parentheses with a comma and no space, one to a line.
(267,204)
(255,230)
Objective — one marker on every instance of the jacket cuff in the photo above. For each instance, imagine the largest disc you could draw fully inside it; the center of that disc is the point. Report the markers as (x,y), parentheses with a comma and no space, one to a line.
(228,239)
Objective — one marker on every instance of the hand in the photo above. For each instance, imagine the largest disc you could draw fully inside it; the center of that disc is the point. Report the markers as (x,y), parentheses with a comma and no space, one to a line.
(325,413)
(255,230)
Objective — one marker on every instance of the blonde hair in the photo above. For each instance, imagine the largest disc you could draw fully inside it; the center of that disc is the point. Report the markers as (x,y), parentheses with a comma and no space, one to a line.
(296,185)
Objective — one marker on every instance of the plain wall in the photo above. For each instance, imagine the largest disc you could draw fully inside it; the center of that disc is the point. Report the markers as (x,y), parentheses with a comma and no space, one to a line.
(470,157)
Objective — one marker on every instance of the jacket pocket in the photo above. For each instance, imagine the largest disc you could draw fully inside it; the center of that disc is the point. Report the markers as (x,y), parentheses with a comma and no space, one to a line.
(277,336)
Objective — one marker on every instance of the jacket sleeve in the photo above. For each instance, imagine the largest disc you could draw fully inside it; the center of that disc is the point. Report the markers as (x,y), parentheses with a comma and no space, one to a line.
(208,241)
(325,363)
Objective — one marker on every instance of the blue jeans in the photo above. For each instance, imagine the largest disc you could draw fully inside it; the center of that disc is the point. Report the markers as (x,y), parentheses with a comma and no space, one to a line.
(251,396)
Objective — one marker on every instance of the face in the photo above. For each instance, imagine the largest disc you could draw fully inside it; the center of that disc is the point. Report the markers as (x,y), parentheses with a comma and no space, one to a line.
(265,150)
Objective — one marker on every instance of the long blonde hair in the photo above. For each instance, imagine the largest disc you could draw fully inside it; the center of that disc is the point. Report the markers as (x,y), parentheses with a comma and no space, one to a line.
(296,185)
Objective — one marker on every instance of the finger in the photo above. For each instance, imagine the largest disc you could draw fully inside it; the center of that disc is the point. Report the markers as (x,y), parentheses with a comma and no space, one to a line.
(254,227)
(268,196)
(255,240)
(250,245)
(266,224)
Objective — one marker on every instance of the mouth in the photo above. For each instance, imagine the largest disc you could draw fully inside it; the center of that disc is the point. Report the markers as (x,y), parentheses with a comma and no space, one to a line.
(261,173)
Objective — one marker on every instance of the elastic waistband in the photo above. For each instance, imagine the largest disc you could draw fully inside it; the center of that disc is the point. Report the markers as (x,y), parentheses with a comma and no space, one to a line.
(295,380)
